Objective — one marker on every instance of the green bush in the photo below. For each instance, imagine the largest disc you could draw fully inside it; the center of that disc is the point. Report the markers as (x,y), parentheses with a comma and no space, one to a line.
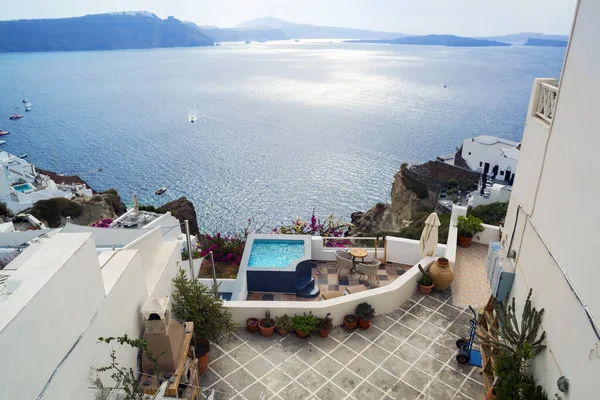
(53,210)
(305,323)
(469,226)
(492,214)
(4,211)
(150,208)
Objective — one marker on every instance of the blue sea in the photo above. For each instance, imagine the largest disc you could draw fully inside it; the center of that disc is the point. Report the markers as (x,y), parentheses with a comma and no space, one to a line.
(282,128)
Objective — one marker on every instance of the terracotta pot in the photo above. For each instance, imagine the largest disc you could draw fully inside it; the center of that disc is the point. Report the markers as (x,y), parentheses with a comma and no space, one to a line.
(266,331)
(282,331)
(464,241)
(252,325)
(349,324)
(425,289)
(441,273)
(323,333)
(302,334)
(364,323)
(202,348)
(203,364)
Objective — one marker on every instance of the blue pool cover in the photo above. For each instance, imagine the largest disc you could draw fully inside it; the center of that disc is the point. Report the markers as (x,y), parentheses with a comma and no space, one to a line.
(275,253)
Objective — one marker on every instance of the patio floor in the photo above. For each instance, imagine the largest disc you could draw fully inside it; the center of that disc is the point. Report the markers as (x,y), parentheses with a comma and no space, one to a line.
(407,354)
(470,285)
(328,280)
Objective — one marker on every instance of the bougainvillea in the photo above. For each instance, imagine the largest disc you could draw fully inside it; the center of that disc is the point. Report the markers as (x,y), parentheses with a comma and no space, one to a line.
(332,226)
(103,223)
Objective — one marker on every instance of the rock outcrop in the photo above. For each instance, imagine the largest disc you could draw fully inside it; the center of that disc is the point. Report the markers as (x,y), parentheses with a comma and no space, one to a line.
(183,209)
(383,218)
(64,179)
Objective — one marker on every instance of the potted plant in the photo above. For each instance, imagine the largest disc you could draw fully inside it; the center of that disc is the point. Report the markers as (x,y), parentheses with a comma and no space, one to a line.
(350,322)
(365,314)
(195,302)
(325,325)
(283,324)
(252,325)
(267,325)
(467,227)
(425,283)
(305,324)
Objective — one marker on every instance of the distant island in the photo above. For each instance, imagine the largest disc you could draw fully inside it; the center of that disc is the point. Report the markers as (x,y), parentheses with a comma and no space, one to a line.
(307,31)
(242,34)
(546,42)
(521,38)
(126,30)
(437,40)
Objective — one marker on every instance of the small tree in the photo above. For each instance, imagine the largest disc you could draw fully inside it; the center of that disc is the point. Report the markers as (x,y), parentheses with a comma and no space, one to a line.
(126,378)
(469,226)
(195,302)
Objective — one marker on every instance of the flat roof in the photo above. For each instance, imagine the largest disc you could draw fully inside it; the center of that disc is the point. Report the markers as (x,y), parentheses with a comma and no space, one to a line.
(495,141)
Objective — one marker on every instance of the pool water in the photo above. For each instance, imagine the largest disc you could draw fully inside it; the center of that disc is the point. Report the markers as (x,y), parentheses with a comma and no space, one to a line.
(24,188)
(275,253)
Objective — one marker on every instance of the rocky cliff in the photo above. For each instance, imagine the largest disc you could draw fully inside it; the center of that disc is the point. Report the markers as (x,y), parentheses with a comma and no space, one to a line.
(183,209)
(383,218)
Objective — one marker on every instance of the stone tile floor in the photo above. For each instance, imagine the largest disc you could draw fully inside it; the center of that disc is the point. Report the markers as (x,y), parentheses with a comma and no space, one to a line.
(470,285)
(327,279)
(407,354)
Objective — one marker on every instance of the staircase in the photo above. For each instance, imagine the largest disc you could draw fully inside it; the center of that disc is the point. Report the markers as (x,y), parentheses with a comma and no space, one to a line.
(305,283)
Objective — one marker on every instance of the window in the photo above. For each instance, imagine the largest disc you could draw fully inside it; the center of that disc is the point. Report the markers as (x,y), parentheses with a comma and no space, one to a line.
(501,173)
(481,163)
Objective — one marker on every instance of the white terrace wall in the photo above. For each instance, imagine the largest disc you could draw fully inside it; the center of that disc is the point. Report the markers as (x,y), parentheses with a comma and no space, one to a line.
(39,322)
(453,233)
(384,299)
(119,314)
(491,233)
(399,250)
(147,245)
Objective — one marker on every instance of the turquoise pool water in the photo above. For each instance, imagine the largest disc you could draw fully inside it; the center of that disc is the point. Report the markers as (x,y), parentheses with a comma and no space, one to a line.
(25,187)
(275,253)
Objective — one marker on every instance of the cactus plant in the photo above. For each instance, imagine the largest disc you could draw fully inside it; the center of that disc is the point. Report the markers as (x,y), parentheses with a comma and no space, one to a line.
(514,337)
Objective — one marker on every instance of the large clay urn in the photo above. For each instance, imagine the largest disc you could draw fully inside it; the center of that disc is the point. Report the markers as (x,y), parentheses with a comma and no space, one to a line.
(441,273)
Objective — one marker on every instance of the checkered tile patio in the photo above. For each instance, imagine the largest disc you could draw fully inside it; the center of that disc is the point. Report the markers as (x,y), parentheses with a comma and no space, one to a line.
(407,354)
(328,280)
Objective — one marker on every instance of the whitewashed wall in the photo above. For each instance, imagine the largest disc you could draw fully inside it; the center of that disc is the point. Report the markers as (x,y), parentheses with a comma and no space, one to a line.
(384,299)
(147,245)
(453,233)
(491,233)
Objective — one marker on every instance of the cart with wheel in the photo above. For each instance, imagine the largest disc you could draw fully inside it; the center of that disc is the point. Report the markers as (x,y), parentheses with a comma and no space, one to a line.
(466,354)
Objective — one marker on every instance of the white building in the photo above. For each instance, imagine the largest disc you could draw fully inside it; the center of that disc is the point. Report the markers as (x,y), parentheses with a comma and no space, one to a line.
(497,193)
(496,157)
(552,221)
(62,293)
(21,185)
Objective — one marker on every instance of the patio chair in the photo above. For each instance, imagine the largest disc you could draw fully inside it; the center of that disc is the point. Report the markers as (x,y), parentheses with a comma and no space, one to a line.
(343,259)
(370,270)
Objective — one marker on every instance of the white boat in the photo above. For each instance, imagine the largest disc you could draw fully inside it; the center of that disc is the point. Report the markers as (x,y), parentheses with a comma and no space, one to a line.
(24,155)
(2,141)
(27,108)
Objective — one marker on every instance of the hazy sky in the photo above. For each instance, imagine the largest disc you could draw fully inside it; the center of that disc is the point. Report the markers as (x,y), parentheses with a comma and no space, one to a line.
(461,17)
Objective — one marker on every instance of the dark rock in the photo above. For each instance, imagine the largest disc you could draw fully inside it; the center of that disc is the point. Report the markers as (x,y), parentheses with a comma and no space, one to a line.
(356,216)
(64,179)
(183,209)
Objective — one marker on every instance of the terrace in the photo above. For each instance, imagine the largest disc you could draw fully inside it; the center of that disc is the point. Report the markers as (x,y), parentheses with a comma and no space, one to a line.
(405,354)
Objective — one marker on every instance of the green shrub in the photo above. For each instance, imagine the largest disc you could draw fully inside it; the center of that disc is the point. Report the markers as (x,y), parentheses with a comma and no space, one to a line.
(452,183)
(151,208)
(53,210)
(451,191)
(305,323)
(469,226)
(365,311)
(492,214)
(4,211)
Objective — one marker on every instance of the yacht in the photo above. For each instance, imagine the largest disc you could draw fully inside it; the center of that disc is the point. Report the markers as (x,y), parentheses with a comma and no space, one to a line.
(2,141)
(28,108)
(161,190)
(15,116)
(24,155)
(3,133)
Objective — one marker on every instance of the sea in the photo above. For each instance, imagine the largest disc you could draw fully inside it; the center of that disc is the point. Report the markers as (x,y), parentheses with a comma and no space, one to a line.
(281,129)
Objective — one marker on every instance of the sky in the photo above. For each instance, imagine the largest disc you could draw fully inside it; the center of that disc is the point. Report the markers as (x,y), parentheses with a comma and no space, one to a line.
(459,17)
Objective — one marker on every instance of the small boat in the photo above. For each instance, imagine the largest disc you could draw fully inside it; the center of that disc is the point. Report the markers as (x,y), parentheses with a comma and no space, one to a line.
(262,41)
(24,155)
(4,133)
(297,40)
(25,101)
(2,141)
(27,108)
(192,119)
(445,86)
(161,190)
(248,41)
(15,116)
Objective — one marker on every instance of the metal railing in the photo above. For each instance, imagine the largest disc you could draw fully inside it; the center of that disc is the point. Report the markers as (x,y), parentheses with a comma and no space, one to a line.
(546,102)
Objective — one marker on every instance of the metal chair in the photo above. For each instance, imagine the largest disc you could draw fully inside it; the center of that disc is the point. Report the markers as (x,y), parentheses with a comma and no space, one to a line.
(343,260)
(370,270)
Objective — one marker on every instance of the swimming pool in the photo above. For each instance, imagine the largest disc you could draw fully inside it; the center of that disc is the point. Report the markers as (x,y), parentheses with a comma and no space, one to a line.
(24,188)
(275,253)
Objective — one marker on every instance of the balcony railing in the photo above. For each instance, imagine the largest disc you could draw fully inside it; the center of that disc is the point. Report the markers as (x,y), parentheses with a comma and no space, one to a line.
(546,102)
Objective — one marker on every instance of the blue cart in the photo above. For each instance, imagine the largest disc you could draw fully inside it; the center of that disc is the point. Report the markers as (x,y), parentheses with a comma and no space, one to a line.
(466,354)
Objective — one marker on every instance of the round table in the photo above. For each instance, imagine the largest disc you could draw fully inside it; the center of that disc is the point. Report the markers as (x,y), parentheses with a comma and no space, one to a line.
(357,253)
